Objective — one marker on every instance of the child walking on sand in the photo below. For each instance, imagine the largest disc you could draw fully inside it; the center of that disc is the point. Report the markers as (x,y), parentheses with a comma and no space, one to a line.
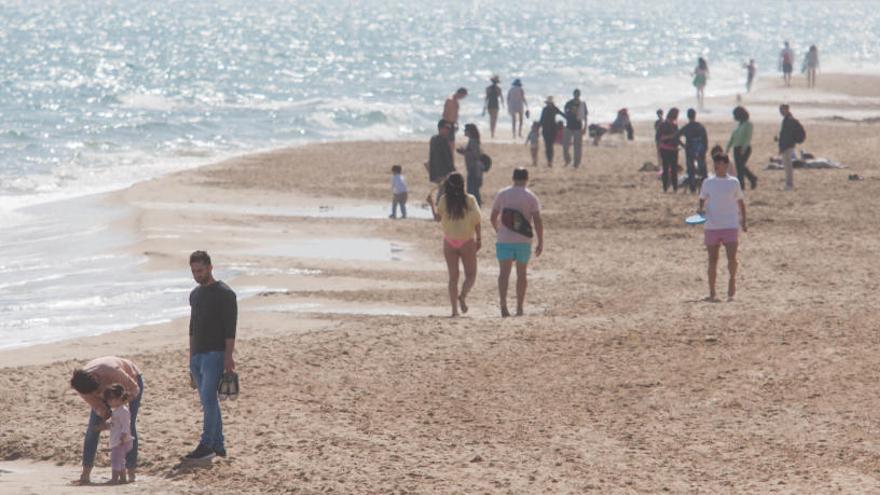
(398,192)
(723,204)
(532,141)
(121,441)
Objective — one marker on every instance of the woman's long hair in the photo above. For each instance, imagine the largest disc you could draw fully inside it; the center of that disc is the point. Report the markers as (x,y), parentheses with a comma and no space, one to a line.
(456,199)
(701,64)
(471,131)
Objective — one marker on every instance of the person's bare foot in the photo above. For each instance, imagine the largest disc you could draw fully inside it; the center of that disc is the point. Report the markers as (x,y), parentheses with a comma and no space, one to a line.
(454,314)
(505,313)
(519,312)
(131,477)
(729,298)
(712,298)
(462,304)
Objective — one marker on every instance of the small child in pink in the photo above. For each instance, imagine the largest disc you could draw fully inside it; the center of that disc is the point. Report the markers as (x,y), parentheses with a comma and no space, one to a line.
(121,441)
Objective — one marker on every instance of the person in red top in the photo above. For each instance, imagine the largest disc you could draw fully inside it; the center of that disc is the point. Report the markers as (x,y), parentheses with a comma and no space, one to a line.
(90,381)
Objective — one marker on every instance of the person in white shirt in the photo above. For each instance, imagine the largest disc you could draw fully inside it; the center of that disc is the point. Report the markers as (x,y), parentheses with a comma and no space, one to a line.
(398,192)
(723,204)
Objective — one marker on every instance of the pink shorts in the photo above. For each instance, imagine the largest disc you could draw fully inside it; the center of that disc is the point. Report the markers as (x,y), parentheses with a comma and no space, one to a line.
(715,237)
(455,243)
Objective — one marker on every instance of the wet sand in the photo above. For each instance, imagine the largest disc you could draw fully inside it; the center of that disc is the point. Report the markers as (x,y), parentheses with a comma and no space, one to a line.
(618,380)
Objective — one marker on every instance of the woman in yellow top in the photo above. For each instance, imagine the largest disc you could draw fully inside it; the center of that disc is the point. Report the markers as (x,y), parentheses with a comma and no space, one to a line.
(459,215)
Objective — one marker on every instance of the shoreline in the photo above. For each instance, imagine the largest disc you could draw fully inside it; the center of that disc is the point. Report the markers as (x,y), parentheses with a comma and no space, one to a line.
(617,380)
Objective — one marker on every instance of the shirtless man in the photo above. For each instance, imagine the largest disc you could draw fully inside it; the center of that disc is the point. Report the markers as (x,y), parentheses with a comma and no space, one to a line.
(450,114)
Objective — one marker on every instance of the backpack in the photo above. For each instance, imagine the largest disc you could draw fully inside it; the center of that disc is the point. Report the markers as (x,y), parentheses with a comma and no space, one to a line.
(798,133)
(485,162)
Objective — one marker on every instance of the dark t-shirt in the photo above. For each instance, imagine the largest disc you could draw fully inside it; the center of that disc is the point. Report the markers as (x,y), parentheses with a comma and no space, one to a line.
(572,121)
(439,159)
(213,316)
(696,139)
(548,120)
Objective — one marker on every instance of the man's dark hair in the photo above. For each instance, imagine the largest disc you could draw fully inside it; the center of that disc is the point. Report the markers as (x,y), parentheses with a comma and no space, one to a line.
(692,114)
(83,382)
(396,169)
(660,112)
(200,257)
(520,173)
(441,124)
(462,91)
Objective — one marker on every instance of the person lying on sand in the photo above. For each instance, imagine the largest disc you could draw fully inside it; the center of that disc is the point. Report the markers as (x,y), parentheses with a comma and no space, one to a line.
(620,125)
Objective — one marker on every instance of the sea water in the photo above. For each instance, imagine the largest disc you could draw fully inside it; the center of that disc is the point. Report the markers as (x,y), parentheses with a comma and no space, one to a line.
(97,95)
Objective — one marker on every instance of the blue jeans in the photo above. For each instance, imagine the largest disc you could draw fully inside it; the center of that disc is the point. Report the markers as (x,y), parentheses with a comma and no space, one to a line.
(474,183)
(90,444)
(207,369)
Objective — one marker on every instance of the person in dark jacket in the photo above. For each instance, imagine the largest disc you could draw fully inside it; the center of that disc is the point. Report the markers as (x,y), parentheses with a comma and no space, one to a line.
(472,162)
(667,143)
(549,128)
(440,162)
(695,146)
(788,140)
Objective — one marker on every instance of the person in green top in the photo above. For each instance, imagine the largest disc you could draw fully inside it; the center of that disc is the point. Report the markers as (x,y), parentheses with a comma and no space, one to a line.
(741,142)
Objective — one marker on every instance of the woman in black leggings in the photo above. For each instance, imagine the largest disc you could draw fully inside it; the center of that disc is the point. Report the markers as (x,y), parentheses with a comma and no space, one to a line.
(741,142)
(668,144)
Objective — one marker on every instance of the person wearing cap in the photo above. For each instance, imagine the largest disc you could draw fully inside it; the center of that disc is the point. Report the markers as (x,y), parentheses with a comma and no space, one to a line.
(450,114)
(515,211)
(575,125)
(494,100)
(516,104)
(548,127)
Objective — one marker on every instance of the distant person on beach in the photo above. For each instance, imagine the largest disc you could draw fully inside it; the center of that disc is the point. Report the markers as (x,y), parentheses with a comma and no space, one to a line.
(450,113)
(472,162)
(811,65)
(751,70)
(668,146)
(786,62)
(459,215)
(575,112)
(695,147)
(741,143)
(620,125)
(516,105)
(723,204)
(440,162)
(549,127)
(657,124)
(398,192)
(514,213)
(90,382)
(121,440)
(212,325)
(791,134)
(701,75)
(494,100)
(532,141)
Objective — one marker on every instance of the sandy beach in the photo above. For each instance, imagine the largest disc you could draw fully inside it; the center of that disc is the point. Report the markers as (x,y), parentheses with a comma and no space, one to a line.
(619,379)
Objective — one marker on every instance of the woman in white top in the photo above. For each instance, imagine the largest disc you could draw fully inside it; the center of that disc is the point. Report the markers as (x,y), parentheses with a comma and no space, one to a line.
(723,204)
(516,104)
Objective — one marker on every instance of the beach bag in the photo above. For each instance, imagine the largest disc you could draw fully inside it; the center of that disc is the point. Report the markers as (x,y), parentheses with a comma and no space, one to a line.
(799,134)
(485,162)
(228,388)
(516,221)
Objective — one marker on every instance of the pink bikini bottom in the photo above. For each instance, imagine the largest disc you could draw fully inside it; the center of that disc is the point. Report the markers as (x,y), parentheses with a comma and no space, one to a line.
(455,243)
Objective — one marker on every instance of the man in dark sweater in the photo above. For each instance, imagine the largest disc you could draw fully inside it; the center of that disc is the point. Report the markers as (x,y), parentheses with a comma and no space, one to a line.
(440,162)
(213,316)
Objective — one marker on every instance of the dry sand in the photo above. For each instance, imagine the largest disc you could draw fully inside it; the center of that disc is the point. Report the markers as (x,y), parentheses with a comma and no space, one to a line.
(619,380)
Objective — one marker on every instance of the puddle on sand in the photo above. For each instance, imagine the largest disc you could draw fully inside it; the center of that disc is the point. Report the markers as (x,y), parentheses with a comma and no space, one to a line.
(344,249)
(342,308)
(363,212)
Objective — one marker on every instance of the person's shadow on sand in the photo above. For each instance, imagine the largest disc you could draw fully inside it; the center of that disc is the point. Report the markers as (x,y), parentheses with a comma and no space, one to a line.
(187,467)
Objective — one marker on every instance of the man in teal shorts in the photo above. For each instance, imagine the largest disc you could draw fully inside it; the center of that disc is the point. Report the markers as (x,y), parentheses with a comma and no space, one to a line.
(515,211)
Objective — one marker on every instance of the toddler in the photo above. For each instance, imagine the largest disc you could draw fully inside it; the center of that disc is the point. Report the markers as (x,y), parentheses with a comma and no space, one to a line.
(532,141)
(398,192)
(121,441)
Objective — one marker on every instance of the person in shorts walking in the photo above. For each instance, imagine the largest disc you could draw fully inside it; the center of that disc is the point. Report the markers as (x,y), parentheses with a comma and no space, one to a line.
(514,214)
